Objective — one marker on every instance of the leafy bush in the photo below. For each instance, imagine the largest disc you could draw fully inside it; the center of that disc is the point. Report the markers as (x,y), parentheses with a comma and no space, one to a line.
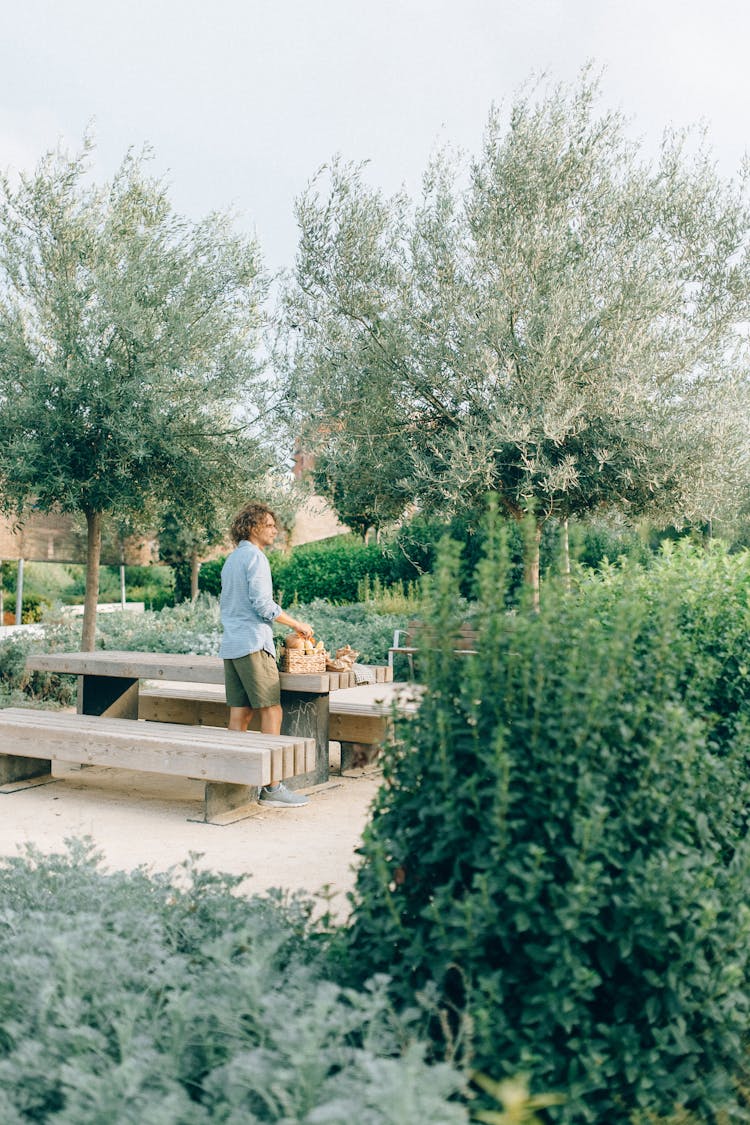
(17,686)
(336,569)
(594,544)
(561,842)
(187,627)
(33,608)
(196,628)
(591,545)
(209,578)
(330,569)
(142,999)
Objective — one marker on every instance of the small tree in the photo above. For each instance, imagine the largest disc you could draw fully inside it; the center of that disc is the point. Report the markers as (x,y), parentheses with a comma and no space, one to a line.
(127,339)
(553,323)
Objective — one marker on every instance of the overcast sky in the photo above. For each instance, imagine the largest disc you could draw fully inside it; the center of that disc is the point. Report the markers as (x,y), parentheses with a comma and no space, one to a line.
(242,100)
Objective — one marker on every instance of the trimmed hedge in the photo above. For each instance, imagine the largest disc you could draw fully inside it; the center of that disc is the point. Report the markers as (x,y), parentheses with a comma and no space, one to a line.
(333,569)
(561,842)
(330,569)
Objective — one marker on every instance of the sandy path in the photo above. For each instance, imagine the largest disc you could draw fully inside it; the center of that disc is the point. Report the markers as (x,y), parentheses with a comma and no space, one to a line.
(138,819)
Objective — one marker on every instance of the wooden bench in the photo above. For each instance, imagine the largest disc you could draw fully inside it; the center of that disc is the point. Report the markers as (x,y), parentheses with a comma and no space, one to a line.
(109,685)
(232,765)
(417,636)
(358,716)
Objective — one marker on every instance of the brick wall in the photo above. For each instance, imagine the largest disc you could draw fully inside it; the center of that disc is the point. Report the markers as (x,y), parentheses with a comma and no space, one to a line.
(54,537)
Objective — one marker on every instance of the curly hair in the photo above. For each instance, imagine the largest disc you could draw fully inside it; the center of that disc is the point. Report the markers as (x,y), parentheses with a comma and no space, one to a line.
(249,517)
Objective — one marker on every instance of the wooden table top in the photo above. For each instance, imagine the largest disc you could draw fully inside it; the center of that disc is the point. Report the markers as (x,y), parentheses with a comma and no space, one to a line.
(158,666)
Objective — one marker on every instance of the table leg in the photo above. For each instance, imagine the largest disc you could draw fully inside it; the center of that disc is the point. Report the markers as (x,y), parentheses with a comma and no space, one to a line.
(114,696)
(306,716)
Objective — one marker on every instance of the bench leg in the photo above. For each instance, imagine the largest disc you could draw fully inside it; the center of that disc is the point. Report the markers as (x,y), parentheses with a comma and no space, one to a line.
(357,755)
(226,803)
(31,771)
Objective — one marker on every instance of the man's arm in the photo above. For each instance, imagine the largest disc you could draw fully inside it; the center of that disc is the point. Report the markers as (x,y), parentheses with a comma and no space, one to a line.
(300,627)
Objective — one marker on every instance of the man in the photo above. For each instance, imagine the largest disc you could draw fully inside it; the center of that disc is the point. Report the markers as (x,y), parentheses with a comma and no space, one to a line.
(247,648)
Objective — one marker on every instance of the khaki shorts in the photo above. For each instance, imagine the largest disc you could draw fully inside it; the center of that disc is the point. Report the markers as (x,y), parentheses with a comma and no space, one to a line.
(252,681)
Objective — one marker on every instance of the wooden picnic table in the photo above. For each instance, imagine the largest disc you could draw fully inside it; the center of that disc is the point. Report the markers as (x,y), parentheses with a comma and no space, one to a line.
(109,682)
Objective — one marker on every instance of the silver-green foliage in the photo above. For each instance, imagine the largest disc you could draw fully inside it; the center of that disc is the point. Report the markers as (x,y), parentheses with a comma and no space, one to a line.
(144,1000)
(127,341)
(557,320)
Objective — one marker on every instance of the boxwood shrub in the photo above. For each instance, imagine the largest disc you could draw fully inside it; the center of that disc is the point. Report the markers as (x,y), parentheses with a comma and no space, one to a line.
(561,842)
(331,569)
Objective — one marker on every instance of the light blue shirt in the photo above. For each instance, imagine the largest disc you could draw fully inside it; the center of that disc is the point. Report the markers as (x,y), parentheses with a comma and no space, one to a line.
(247,606)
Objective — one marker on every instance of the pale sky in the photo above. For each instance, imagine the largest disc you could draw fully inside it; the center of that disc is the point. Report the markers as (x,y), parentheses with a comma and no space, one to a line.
(242,100)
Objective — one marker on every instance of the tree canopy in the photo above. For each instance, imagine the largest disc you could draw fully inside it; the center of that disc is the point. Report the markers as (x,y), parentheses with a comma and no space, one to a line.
(127,346)
(554,322)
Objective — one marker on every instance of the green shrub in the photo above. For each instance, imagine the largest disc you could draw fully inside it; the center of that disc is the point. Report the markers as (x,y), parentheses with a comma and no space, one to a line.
(33,608)
(594,544)
(209,579)
(336,569)
(187,627)
(330,569)
(705,594)
(561,840)
(17,686)
(153,597)
(151,999)
(591,545)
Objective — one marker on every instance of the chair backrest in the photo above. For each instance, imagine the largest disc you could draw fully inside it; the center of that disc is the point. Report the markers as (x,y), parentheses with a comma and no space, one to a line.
(413,630)
(420,635)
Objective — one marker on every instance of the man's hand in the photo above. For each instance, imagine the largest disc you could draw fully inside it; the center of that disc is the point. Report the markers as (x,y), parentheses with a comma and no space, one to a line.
(300,627)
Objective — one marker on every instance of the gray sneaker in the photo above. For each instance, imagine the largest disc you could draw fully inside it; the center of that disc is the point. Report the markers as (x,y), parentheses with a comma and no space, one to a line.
(281,797)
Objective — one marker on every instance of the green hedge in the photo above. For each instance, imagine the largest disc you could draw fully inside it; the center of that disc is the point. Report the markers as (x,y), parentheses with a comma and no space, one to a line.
(334,568)
(561,842)
(19,686)
(330,569)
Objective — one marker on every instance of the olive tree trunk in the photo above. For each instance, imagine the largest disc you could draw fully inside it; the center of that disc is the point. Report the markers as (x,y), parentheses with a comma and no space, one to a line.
(195,569)
(566,552)
(531,564)
(93,556)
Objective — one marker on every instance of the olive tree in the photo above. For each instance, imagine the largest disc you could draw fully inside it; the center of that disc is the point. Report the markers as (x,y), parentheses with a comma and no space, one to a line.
(552,321)
(127,344)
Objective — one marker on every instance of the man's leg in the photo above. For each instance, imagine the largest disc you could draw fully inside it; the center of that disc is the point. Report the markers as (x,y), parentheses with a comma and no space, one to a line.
(239,718)
(270,723)
(259,678)
(270,719)
(276,794)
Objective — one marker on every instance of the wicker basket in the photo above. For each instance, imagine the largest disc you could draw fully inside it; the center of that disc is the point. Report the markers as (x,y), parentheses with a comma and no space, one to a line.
(294,660)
